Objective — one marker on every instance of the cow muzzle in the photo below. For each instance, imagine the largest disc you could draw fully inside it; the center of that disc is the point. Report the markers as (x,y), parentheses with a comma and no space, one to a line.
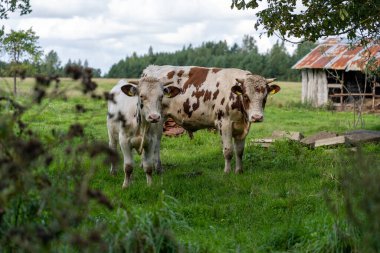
(256,118)
(154,117)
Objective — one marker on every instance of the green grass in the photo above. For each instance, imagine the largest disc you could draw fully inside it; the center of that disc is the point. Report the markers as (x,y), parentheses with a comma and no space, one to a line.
(277,205)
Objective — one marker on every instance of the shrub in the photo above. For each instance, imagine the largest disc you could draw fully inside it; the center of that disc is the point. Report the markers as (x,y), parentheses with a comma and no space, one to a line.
(360,189)
(46,198)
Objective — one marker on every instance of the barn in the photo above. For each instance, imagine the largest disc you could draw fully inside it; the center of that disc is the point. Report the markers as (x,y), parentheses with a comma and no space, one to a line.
(335,73)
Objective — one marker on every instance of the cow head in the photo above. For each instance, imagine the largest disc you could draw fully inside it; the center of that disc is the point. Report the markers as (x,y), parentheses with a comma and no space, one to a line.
(150,92)
(253,92)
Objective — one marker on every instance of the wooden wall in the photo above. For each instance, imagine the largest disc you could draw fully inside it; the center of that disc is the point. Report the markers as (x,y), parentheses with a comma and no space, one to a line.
(314,87)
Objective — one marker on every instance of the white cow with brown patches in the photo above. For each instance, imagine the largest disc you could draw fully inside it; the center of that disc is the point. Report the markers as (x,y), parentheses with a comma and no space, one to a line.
(134,118)
(227,99)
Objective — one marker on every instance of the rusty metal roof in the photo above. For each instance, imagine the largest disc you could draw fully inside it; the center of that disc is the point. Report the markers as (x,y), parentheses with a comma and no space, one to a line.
(340,55)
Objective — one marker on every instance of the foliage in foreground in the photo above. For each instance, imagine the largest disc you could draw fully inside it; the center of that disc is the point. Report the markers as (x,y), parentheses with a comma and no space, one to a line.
(46,198)
(276,205)
(359,185)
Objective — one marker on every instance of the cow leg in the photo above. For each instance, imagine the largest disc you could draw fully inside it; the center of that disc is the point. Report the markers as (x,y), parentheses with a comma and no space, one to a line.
(112,143)
(128,160)
(148,164)
(226,132)
(157,156)
(239,150)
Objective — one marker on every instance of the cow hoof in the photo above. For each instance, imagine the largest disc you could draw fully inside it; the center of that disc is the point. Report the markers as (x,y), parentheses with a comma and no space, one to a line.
(239,171)
(158,168)
(113,172)
(159,171)
(227,171)
(149,181)
(125,185)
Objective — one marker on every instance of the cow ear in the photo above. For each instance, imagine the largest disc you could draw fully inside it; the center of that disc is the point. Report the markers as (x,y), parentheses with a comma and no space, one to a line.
(171,91)
(129,90)
(273,89)
(237,90)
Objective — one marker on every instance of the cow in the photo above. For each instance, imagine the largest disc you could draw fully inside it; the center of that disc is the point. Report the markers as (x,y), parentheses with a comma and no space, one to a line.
(134,118)
(227,99)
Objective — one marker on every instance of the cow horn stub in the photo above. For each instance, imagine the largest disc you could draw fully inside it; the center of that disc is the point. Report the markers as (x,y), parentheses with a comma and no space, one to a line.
(241,81)
(270,80)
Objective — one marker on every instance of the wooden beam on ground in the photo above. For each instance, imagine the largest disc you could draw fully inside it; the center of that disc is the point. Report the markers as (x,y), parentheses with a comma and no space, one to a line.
(310,140)
(265,142)
(333,141)
(361,136)
(295,136)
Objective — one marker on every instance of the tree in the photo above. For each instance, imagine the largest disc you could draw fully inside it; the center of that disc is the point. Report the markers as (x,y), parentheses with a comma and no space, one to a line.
(7,6)
(20,45)
(150,51)
(96,73)
(278,62)
(51,64)
(249,44)
(12,5)
(316,19)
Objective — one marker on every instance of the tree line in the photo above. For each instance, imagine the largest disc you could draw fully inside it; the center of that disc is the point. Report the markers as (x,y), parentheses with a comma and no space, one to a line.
(26,57)
(276,62)
(47,65)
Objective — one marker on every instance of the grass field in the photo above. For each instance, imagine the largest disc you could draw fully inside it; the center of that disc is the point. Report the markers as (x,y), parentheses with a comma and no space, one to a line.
(276,205)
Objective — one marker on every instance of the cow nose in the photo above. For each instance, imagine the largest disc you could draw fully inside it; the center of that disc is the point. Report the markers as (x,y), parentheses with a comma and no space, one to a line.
(257,118)
(154,118)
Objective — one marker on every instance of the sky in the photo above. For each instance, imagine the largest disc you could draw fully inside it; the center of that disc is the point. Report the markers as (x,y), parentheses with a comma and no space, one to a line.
(106,31)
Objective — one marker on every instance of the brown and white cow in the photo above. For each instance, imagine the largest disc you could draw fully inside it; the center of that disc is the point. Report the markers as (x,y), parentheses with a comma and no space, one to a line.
(134,118)
(227,99)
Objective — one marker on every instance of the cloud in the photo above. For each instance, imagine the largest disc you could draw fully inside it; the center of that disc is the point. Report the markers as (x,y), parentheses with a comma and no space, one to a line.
(184,34)
(152,11)
(67,8)
(76,28)
(105,31)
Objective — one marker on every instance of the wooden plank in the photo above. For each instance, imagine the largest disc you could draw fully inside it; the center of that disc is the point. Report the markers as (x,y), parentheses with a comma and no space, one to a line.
(295,136)
(331,141)
(263,145)
(334,85)
(323,91)
(361,136)
(264,140)
(305,82)
(350,94)
(310,140)
(341,92)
